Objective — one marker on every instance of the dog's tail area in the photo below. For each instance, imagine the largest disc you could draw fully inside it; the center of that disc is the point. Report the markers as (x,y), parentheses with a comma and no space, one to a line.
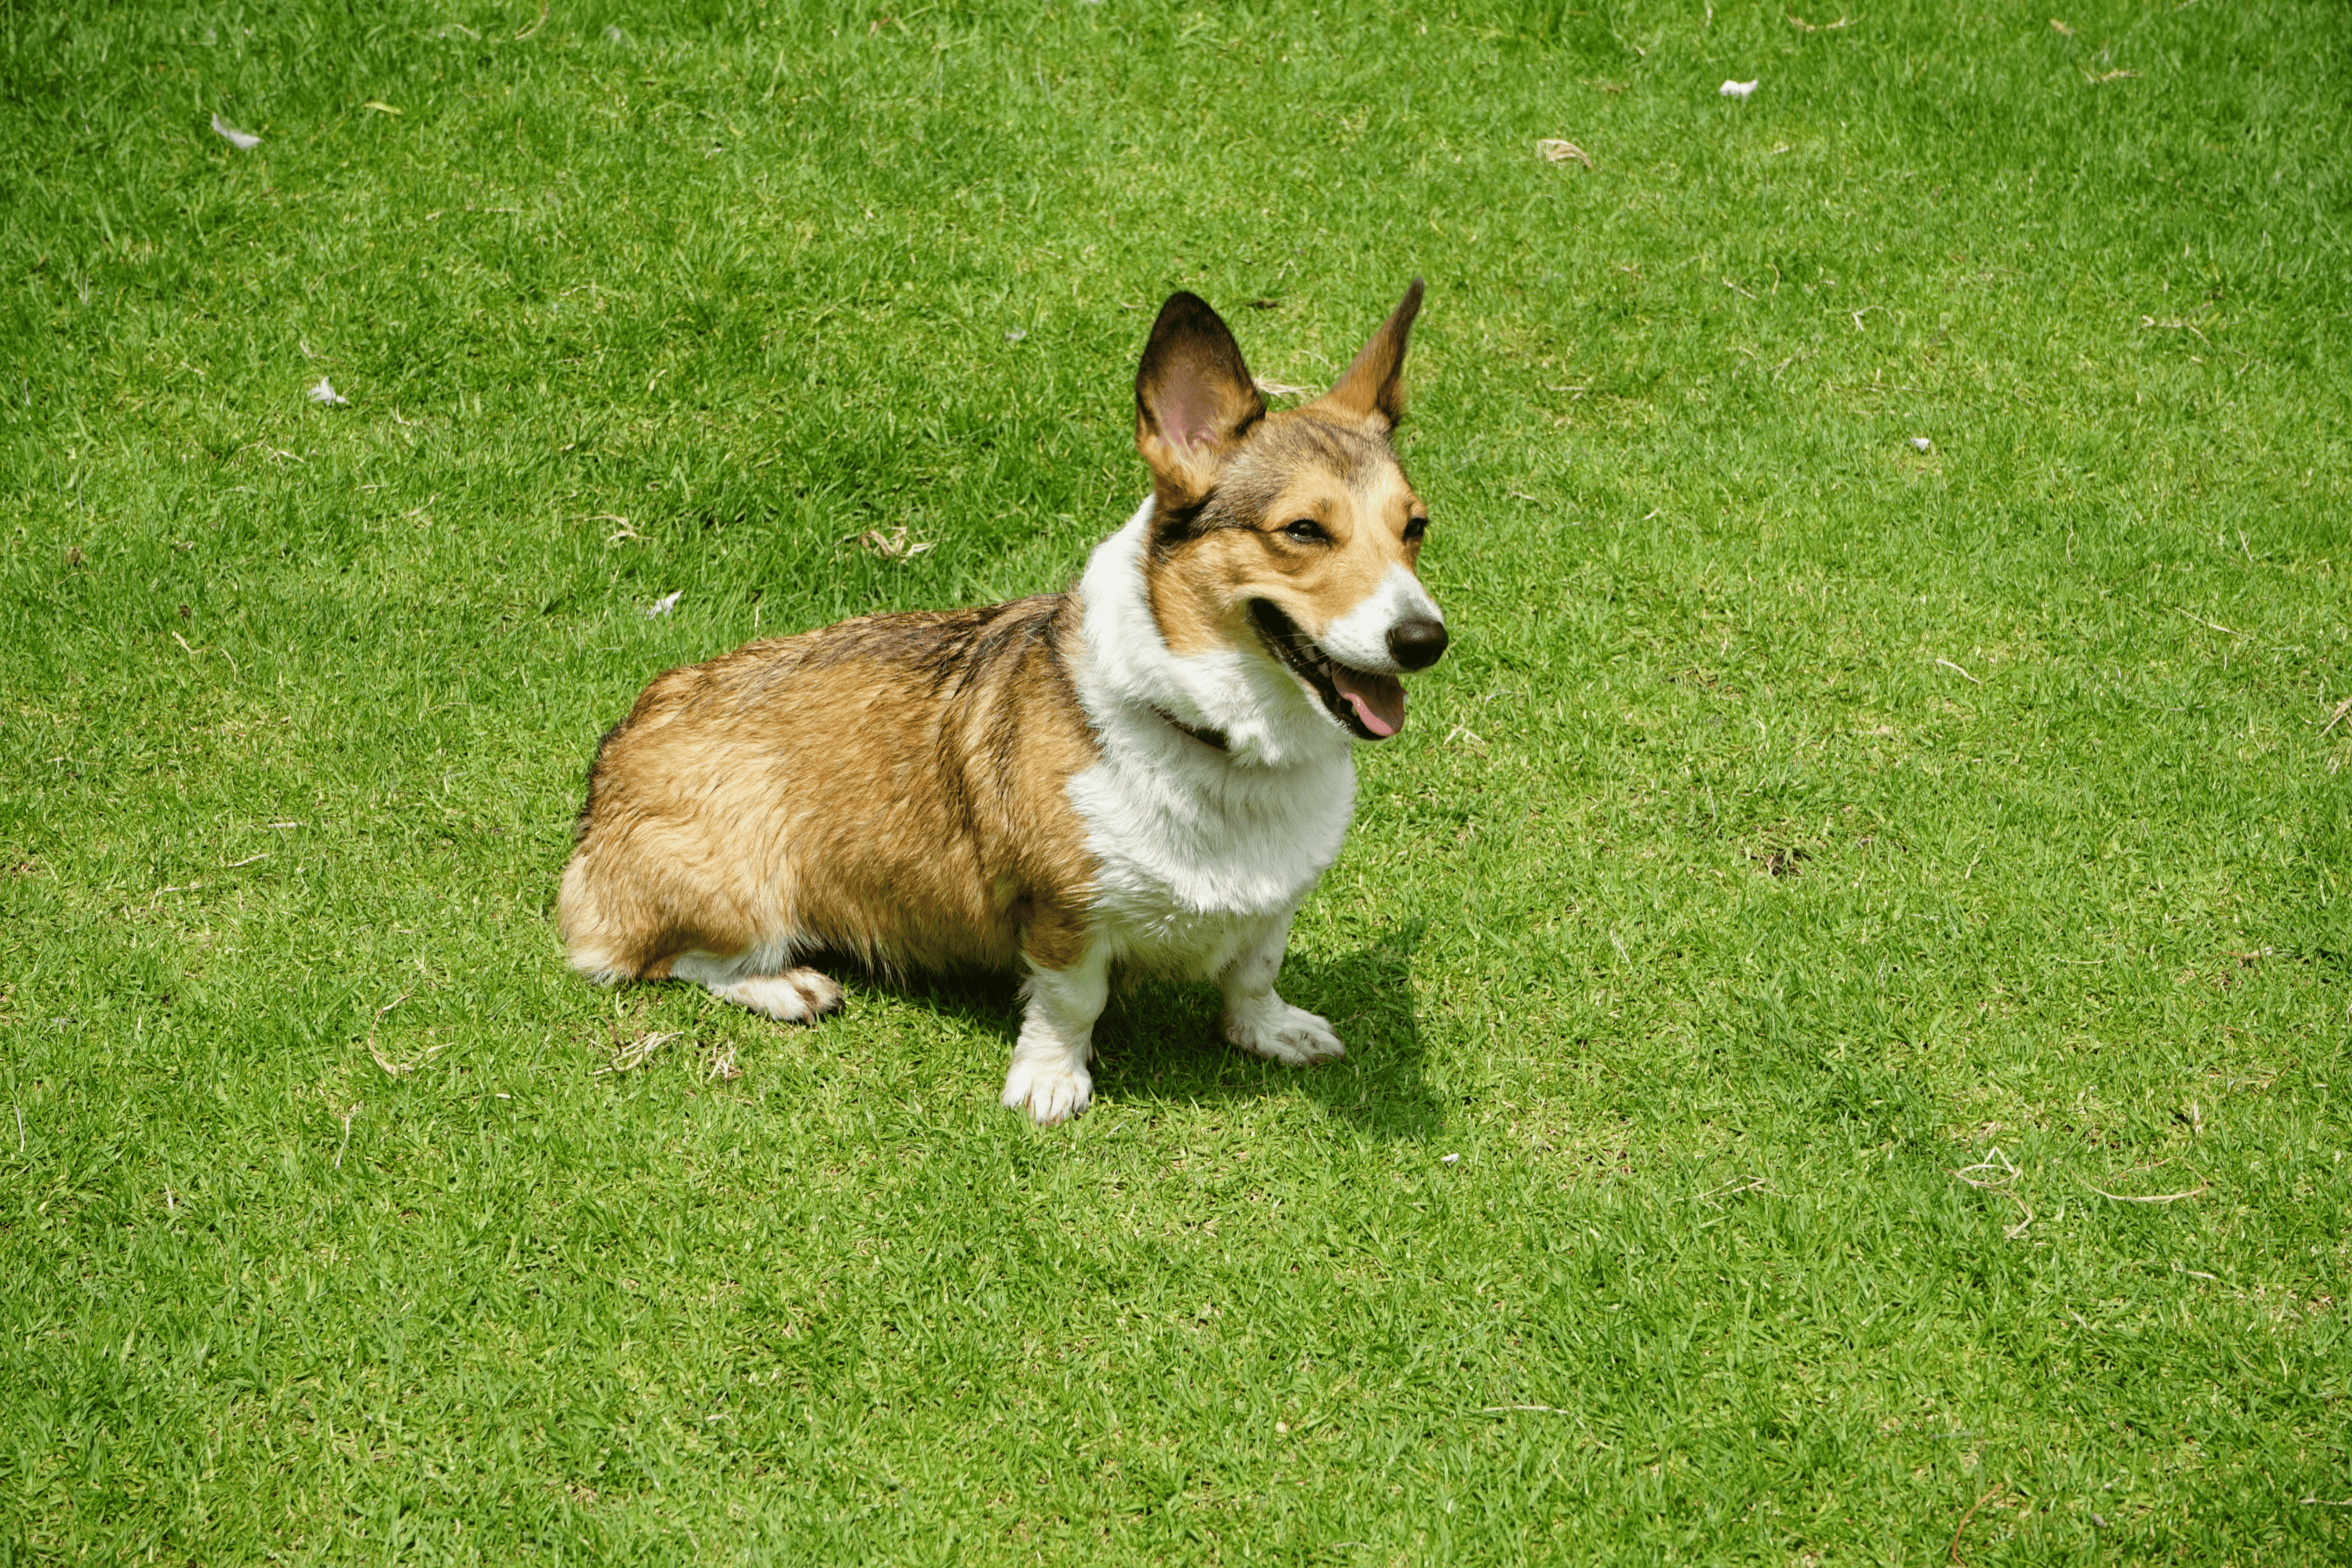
(621,913)
(584,919)
(593,939)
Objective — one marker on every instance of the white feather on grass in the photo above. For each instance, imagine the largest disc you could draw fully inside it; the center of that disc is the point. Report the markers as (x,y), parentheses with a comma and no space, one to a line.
(243,141)
(1736,88)
(325,392)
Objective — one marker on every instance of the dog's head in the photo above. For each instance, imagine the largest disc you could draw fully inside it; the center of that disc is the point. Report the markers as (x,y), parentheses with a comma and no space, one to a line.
(1291,536)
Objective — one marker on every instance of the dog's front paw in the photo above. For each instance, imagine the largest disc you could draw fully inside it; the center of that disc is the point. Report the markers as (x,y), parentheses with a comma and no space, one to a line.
(1273,1028)
(1049,1093)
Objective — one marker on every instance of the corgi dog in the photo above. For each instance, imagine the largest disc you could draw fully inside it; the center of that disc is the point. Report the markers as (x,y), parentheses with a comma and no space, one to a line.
(1150,771)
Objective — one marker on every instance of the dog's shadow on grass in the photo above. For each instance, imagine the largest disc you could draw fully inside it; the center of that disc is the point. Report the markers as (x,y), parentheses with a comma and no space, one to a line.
(1162,1042)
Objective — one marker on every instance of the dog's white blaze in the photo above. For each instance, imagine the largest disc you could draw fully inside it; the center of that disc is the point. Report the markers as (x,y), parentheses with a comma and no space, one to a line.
(1199,852)
(1360,637)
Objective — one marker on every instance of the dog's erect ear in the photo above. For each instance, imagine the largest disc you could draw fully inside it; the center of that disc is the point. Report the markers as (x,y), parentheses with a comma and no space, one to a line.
(1193,399)
(1373,388)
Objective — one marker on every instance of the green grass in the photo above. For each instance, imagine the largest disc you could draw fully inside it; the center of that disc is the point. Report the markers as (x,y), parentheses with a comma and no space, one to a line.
(1801,817)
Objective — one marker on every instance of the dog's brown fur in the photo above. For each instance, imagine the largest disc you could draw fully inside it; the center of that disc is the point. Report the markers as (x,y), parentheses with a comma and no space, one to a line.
(891,786)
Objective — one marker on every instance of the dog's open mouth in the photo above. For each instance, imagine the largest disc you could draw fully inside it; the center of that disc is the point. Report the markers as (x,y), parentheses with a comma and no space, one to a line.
(1370,706)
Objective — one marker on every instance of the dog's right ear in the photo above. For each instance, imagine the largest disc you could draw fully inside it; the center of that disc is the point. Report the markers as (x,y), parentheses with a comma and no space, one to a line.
(1373,386)
(1193,400)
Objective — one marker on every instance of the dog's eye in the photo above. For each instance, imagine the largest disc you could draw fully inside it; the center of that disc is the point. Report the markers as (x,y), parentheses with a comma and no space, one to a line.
(1306,532)
(1415,529)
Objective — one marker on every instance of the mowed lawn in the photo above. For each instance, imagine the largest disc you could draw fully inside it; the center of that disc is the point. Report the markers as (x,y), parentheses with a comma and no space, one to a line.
(1845,971)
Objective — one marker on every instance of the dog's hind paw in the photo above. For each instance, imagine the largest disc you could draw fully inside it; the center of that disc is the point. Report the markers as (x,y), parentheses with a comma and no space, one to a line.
(795,996)
(1273,1028)
(1049,1094)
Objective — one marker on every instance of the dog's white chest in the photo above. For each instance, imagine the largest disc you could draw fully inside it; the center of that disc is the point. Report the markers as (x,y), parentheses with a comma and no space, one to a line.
(1196,849)
(1194,854)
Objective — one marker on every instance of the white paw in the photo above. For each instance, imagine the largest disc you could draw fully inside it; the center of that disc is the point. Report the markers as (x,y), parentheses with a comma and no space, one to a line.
(1279,1032)
(822,991)
(795,996)
(1050,1094)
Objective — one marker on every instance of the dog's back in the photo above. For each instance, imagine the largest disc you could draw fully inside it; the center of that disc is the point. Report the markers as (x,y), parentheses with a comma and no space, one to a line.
(892,786)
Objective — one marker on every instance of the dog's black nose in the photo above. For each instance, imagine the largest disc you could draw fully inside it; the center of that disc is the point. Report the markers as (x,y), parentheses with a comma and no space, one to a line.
(1417,644)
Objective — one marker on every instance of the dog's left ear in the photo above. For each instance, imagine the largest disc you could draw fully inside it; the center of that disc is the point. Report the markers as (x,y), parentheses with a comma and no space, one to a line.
(1193,400)
(1373,387)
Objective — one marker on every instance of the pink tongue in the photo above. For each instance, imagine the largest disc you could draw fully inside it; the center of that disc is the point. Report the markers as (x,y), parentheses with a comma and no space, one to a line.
(1377,700)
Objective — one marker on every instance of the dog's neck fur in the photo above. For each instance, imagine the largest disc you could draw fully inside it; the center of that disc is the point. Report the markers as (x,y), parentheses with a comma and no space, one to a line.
(1128,677)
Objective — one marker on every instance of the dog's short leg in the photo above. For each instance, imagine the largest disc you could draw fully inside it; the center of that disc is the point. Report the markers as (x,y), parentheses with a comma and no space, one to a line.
(791,995)
(1262,1023)
(1049,1075)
